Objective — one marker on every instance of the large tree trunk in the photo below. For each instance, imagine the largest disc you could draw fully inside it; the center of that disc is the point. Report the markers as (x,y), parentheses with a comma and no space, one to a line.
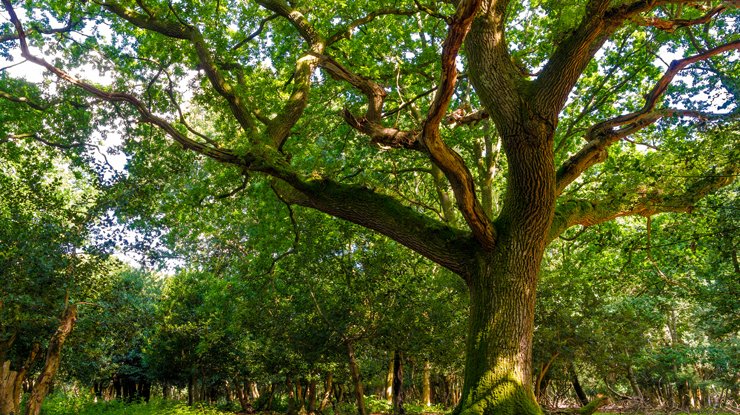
(503,280)
(53,356)
(499,346)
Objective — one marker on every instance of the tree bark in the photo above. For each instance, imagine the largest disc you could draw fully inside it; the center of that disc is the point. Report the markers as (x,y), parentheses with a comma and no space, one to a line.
(354,369)
(499,341)
(582,397)
(389,382)
(398,384)
(328,386)
(11,383)
(53,356)
(426,387)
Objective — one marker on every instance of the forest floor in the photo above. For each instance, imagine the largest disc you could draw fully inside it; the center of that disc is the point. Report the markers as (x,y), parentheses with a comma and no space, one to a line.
(59,404)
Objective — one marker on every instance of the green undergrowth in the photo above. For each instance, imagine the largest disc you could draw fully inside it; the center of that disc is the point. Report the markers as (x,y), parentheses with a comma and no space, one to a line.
(84,405)
(60,404)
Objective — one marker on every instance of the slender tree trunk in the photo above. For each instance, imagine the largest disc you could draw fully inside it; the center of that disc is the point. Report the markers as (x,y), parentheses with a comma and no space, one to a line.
(540,387)
(311,396)
(354,369)
(254,392)
(633,383)
(582,397)
(389,382)
(53,355)
(398,384)
(292,409)
(191,390)
(426,384)
(328,386)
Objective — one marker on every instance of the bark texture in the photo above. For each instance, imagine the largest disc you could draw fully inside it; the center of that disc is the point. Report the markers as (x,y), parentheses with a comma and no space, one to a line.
(51,364)
(354,369)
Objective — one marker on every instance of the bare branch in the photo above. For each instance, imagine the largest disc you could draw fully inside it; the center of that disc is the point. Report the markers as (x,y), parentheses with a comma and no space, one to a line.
(254,34)
(24,100)
(186,32)
(218,154)
(346,31)
(71,24)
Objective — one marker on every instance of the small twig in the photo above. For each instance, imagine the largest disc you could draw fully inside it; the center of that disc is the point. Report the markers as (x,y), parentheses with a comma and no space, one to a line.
(254,34)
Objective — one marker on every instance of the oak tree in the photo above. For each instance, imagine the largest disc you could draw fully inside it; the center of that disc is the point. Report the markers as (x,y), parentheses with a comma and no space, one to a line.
(506,111)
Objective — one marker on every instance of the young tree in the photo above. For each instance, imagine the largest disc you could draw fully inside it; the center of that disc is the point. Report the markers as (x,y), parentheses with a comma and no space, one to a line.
(560,82)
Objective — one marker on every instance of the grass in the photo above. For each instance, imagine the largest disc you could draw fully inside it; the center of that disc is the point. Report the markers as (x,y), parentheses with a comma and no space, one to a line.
(84,405)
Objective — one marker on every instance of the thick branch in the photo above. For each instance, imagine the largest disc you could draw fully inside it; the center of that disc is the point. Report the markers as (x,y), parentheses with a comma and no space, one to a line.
(375,93)
(440,243)
(279,128)
(595,151)
(370,124)
(385,137)
(571,56)
(296,18)
(587,213)
(451,164)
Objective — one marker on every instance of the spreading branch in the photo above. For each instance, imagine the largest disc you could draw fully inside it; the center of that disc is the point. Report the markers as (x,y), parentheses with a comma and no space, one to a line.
(433,239)
(71,25)
(586,213)
(566,64)
(179,30)
(346,31)
(146,115)
(670,25)
(606,133)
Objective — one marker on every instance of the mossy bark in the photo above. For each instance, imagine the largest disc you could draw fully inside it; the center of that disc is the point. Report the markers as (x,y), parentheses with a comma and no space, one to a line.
(499,345)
